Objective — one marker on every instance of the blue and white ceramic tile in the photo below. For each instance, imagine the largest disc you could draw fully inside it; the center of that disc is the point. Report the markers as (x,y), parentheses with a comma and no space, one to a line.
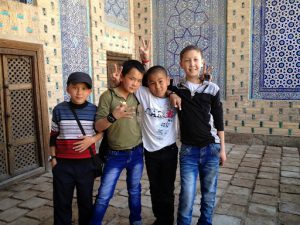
(116,12)
(275,50)
(183,22)
(75,38)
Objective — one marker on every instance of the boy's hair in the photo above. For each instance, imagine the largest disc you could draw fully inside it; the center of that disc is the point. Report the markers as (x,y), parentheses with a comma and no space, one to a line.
(153,70)
(190,48)
(79,77)
(130,64)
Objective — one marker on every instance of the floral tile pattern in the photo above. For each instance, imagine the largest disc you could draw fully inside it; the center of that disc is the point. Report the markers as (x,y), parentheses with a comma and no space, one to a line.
(275,50)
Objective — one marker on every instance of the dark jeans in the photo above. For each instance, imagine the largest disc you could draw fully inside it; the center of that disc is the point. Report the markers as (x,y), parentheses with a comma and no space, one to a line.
(67,175)
(161,169)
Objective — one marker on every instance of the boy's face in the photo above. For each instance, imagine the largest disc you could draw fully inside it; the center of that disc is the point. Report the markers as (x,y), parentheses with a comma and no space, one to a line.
(158,84)
(131,81)
(79,92)
(191,63)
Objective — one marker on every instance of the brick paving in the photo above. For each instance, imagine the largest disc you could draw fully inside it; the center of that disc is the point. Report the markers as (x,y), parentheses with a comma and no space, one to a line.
(259,185)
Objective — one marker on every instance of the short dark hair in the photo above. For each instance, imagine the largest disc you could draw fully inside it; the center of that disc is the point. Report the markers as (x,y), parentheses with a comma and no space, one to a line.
(153,70)
(190,48)
(130,64)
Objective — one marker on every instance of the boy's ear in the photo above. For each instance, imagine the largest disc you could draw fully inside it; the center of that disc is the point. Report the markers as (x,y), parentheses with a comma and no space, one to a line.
(180,63)
(168,80)
(121,77)
(67,89)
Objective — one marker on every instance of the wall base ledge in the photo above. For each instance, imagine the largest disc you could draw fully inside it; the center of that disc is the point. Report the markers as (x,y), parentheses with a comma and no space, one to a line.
(260,139)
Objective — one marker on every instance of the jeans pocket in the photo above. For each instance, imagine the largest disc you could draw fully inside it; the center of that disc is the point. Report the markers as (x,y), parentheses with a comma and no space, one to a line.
(184,150)
(55,167)
(111,154)
(140,150)
(215,149)
(174,147)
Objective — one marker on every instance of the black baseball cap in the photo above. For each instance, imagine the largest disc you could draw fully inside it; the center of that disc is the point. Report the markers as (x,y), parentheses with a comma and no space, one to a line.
(80,77)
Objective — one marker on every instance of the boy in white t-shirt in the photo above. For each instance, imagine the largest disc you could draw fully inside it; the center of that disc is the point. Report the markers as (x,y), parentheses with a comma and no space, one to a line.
(159,133)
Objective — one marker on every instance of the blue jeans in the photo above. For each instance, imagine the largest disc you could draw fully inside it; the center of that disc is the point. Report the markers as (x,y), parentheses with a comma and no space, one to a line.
(205,162)
(132,161)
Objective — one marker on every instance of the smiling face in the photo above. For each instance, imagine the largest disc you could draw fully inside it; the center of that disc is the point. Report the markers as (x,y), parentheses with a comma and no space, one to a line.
(192,63)
(131,81)
(158,83)
(79,92)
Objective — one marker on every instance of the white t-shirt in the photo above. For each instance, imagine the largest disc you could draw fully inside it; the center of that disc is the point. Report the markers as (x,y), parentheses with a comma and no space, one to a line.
(158,120)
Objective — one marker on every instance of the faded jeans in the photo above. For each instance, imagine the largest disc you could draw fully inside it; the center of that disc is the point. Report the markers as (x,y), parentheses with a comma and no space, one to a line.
(205,162)
(132,161)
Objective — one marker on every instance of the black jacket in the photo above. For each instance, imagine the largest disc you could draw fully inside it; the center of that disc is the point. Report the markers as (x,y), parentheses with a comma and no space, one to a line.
(201,115)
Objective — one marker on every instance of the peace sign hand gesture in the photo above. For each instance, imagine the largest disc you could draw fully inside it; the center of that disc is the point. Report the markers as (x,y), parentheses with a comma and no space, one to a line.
(206,72)
(115,76)
(144,51)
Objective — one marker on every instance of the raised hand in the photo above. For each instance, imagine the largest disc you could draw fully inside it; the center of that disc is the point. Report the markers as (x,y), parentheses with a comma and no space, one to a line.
(115,76)
(144,51)
(123,111)
(206,70)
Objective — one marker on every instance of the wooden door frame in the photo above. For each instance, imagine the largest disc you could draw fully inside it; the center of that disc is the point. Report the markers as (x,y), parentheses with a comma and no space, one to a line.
(115,56)
(13,47)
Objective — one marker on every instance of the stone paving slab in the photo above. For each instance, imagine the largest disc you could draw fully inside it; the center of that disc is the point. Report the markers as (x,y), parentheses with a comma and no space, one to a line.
(258,185)
(25,221)
(8,203)
(264,199)
(33,203)
(41,213)
(289,188)
(243,183)
(286,197)
(260,209)
(290,219)
(24,195)
(261,220)
(224,219)
(12,214)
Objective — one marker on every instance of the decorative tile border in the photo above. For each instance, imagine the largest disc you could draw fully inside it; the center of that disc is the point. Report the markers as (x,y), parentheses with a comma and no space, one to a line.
(183,22)
(117,12)
(75,37)
(275,50)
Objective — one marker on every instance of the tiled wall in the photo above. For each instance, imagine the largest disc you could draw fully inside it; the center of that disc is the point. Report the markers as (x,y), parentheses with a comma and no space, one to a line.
(37,24)
(41,23)
(109,32)
(181,23)
(243,114)
(143,23)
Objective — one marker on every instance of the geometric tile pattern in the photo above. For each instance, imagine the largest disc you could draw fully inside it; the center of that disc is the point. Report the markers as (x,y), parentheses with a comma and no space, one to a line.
(74,37)
(116,12)
(183,22)
(275,50)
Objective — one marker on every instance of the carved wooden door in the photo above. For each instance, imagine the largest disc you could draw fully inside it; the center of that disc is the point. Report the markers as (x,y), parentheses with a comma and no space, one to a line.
(19,121)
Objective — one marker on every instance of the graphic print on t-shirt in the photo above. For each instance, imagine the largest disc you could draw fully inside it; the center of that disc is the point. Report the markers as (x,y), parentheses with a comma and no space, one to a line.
(166,118)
